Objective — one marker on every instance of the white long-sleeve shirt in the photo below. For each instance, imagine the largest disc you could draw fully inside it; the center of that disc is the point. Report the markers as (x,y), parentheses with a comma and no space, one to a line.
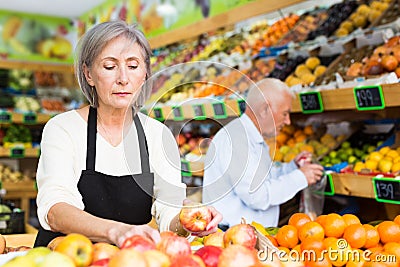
(240,179)
(63,157)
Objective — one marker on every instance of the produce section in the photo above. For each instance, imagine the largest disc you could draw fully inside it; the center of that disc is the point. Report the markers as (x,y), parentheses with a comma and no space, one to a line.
(341,61)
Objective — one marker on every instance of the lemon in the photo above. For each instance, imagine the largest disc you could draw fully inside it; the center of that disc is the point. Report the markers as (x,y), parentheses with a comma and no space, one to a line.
(376,156)
(395,160)
(371,164)
(259,227)
(359,166)
(396,167)
(392,154)
(384,150)
(385,165)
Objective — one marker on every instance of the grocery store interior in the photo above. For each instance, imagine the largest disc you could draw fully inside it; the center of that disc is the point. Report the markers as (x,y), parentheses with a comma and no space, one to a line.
(341,59)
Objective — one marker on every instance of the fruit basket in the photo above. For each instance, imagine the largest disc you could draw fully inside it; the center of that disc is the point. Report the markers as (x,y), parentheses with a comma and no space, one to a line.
(391,14)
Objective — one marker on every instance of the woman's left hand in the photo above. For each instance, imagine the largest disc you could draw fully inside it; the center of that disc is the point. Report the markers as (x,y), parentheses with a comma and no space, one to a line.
(212,226)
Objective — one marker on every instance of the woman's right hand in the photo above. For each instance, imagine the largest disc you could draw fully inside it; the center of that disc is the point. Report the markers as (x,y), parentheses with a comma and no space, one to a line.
(121,232)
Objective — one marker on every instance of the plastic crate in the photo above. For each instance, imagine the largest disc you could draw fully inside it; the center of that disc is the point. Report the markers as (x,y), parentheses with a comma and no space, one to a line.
(12,223)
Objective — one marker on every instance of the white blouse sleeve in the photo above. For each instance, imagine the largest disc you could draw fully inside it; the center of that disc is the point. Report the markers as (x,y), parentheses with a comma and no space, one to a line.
(169,191)
(55,176)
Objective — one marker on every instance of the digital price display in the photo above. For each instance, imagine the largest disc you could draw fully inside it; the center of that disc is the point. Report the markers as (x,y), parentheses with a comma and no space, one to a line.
(369,97)
(17,152)
(386,189)
(199,113)
(311,102)
(241,106)
(219,110)
(5,117)
(158,114)
(178,115)
(30,118)
(329,188)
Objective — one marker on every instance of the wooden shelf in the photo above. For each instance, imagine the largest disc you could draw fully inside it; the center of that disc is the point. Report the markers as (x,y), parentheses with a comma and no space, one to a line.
(336,99)
(27,153)
(37,66)
(233,16)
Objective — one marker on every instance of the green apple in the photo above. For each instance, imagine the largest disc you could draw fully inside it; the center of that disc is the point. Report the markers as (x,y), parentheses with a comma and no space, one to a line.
(38,254)
(20,261)
(56,259)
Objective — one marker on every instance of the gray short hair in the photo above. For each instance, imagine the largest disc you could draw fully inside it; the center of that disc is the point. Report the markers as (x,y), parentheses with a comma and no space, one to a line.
(93,42)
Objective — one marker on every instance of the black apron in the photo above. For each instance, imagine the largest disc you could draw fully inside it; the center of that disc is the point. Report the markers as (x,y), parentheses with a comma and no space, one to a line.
(126,199)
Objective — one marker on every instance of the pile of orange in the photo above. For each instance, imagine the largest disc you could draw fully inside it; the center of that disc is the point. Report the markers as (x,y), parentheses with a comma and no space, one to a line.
(344,234)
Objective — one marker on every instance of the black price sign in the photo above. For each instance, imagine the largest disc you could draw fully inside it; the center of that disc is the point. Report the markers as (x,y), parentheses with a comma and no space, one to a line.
(329,188)
(199,113)
(185,168)
(17,152)
(369,97)
(30,118)
(178,115)
(158,114)
(386,189)
(5,117)
(311,102)
(219,110)
(241,106)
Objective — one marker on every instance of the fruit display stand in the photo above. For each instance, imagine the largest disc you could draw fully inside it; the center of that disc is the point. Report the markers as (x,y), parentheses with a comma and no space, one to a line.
(27,239)
(23,191)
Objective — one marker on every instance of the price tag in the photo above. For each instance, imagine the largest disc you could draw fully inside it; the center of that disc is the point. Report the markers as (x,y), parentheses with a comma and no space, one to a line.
(185,168)
(5,117)
(178,115)
(158,114)
(219,110)
(199,113)
(329,188)
(311,102)
(369,97)
(17,152)
(30,118)
(386,189)
(241,106)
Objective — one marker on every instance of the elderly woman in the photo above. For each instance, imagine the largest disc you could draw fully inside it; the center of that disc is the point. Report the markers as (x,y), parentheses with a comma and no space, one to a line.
(106,170)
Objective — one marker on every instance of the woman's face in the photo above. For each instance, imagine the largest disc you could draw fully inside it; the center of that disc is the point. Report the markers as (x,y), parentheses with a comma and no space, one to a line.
(118,73)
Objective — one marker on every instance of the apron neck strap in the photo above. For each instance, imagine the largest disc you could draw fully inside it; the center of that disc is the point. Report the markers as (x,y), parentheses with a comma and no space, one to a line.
(91,142)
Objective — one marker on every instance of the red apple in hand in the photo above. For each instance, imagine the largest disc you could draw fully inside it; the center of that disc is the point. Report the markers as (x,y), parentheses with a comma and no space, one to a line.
(139,243)
(240,234)
(103,250)
(78,247)
(195,217)
(209,255)
(174,246)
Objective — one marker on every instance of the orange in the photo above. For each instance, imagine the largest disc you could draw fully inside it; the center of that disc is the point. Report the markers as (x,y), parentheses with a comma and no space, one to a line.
(334,225)
(321,219)
(285,250)
(328,242)
(350,219)
(341,252)
(397,219)
(297,248)
(299,219)
(287,236)
(356,258)
(318,263)
(312,245)
(372,236)
(311,230)
(387,259)
(355,235)
(389,231)
(392,248)
(272,239)
(376,249)
(374,264)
